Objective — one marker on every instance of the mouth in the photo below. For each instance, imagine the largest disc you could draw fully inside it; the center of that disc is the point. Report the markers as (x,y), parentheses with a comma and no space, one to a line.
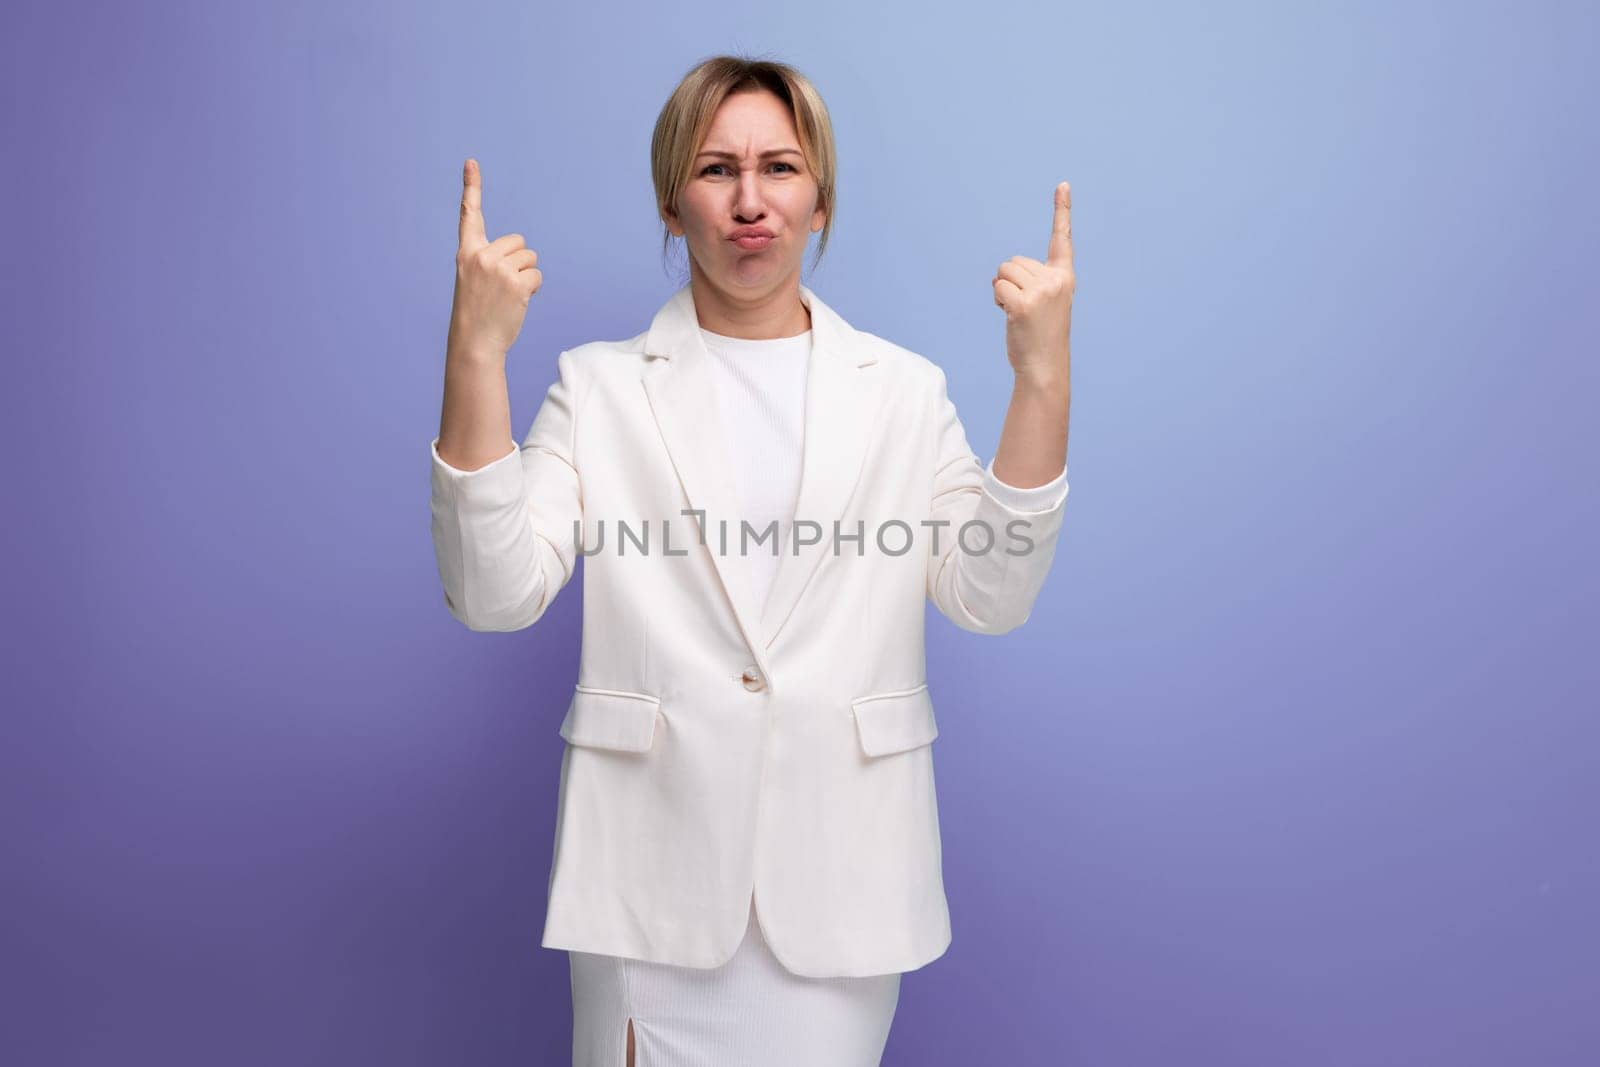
(753,242)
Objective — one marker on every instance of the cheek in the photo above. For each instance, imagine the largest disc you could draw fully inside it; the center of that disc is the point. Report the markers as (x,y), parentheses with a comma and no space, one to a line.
(695,213)
(805,206)
(797,210)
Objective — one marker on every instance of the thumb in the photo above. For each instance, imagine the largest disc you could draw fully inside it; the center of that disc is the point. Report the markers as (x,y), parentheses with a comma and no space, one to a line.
(472,235)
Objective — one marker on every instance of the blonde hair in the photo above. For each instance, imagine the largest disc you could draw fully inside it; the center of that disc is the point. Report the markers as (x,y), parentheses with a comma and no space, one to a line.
(686,118)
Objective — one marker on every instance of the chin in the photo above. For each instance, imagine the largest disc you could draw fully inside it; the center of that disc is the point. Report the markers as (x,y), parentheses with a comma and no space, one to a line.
(757,271)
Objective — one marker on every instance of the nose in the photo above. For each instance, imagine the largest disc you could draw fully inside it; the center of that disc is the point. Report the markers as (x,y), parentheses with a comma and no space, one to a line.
(747,199)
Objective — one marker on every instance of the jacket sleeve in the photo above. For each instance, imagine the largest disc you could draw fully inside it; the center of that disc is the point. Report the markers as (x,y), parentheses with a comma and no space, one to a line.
(986,581)
(504,534)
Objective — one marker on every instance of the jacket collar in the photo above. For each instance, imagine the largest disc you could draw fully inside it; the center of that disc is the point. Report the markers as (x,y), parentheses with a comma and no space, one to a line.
(841,405)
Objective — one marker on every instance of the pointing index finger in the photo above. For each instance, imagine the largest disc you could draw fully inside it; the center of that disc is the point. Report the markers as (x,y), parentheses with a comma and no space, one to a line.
(1060,254)
(472,233)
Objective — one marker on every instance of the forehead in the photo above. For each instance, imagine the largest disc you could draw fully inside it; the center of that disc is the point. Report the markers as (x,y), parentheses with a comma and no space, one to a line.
(748,122)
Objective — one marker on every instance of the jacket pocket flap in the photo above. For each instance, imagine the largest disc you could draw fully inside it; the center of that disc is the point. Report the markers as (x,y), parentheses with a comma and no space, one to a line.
(611,718)
(895,722)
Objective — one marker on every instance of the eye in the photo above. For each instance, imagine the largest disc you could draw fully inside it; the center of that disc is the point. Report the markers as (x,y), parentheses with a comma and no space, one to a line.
(715,166)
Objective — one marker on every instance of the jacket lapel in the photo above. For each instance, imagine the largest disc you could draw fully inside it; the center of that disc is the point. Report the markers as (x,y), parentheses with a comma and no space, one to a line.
(840,409)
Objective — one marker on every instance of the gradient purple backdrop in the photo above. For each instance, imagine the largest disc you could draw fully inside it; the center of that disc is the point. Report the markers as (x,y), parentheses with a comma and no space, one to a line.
(1307,768)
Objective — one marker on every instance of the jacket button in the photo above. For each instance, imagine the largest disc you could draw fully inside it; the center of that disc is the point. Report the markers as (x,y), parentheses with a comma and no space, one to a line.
(752,679)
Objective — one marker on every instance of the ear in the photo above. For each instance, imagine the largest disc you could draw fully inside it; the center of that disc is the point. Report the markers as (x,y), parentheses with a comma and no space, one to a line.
(674,225)
(818,217)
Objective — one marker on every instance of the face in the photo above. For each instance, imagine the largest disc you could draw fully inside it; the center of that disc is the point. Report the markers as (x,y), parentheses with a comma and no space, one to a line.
(749,173)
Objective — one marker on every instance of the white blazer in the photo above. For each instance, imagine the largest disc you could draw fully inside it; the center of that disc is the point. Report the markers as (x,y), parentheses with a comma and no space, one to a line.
(716,747)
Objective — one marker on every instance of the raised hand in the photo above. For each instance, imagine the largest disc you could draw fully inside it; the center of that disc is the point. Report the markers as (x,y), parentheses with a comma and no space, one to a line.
(1037,300)
(494,279)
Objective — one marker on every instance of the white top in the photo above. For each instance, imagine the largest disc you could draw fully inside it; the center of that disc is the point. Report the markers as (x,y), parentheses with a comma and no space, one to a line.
(761,388)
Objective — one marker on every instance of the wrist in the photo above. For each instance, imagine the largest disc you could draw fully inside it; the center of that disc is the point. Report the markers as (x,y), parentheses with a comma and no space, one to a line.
(1044,383)
(474,353)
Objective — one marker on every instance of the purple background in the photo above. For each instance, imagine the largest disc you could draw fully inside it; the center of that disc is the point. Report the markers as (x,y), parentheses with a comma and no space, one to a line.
(1296,760)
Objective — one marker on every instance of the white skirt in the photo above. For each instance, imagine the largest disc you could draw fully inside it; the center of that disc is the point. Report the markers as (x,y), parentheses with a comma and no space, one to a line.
(749,1010)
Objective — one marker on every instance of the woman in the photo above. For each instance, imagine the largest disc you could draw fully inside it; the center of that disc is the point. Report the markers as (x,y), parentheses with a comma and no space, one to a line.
(691,788)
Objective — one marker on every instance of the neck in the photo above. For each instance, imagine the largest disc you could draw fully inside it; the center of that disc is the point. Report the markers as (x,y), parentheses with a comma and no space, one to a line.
(773,313)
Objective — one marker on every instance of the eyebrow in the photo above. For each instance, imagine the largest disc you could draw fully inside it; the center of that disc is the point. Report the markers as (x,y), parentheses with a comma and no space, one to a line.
(764,155)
